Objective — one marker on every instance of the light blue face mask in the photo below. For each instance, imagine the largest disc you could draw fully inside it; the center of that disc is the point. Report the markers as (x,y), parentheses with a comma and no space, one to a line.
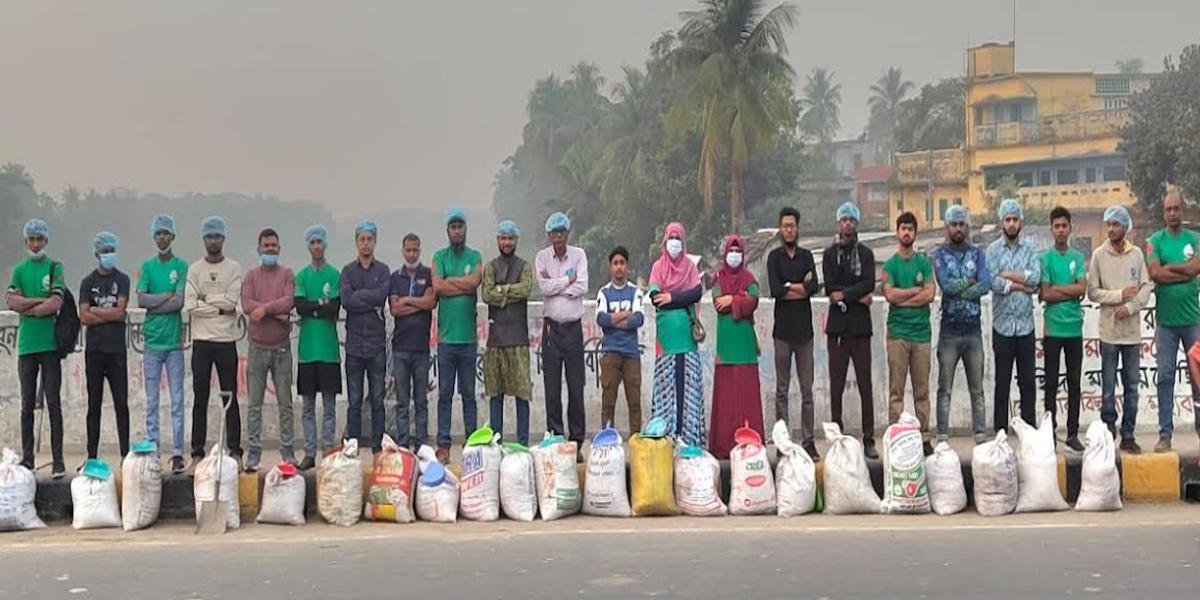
(36,255)
(268,260)
(108,260)
(164,252)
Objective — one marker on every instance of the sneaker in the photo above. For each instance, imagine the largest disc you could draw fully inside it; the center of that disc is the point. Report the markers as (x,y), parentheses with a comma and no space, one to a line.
(443,455)
(811,449)
(1163,445)
(1131,447)
(927,447)
(59,471)
(869,450)
(251,468)
(981,438)
(307,464)
(578,457)
(1073,443)
(177,466)
(28,464)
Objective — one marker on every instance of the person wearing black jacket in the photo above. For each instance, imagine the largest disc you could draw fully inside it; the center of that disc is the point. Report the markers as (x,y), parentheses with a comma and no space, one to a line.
(792,279)
(319,353)
(849,268)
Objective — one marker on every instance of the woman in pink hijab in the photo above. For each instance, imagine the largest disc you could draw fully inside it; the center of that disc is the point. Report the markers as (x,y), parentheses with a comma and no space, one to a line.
(675,290)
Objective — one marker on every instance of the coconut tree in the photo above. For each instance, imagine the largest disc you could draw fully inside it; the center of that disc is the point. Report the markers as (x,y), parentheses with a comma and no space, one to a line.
(822,102)
(886,103)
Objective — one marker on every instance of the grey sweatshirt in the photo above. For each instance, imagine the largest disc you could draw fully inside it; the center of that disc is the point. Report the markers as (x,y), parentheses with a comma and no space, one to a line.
(1110,273)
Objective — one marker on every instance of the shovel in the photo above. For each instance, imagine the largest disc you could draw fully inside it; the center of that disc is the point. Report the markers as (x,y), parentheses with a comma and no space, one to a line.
(214,513)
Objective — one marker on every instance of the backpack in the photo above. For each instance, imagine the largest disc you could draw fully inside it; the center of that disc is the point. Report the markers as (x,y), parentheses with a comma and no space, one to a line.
(66,323)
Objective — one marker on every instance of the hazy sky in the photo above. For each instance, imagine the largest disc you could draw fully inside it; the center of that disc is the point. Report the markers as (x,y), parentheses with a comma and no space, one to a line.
(366,105)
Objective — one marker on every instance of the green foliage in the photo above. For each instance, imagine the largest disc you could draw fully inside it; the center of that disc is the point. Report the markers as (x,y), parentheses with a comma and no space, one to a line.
(934,119)
(822,103)
(1162,142)
(886,105)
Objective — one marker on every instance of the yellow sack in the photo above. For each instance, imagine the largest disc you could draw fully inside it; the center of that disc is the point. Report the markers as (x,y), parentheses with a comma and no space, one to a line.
(652,472)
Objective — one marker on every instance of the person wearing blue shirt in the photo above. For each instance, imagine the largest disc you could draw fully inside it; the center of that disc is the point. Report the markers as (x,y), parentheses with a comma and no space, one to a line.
(962,274)
(619,313)
(1016,275)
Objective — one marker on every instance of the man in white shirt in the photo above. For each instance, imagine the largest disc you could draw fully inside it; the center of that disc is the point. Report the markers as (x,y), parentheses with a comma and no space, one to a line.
(562,276)
(214,285)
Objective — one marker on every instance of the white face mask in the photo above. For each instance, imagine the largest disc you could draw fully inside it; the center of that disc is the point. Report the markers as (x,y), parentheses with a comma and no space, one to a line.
(733,259)
(674,247)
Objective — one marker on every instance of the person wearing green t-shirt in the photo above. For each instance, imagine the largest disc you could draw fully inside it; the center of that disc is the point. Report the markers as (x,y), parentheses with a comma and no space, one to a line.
(161,283)
(1064,282)
(36,294)
(908,286)
(736,396)
(457,273)
(319,356)
(1174,265)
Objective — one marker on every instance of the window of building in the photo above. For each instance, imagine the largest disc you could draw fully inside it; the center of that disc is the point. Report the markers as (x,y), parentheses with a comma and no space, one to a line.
(1025,178)
(1014,113)
(1044,177)
(958,201)
(1115,103)
(943,204)
(1114,173)
(929,210)
(900,204)
(1090,174)
(857,160)
(1067,176)
(979,115)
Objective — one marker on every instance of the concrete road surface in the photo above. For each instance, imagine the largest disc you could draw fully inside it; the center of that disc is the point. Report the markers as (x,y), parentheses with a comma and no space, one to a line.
(1143,552)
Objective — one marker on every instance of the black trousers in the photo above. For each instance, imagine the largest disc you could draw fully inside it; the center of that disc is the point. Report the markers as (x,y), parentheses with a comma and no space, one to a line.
(223,356)
(1021,350)
(1073,349)
(49,366)
(100,366)
(842,351)
(562,348)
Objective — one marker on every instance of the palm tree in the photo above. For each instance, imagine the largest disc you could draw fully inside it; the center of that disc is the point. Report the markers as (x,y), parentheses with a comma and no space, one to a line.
(1130,66)
(887,95)
(628,131)
(822,105)
(731,53)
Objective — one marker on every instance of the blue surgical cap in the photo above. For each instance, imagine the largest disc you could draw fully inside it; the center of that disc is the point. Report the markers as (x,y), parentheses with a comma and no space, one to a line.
(37,228)
(509,228)
(366,226)
(103,240)
(456,214)
(1120,215)
(957,214)
(848,209)
(315,232)
(558,221)
(162,223)
(1011,207)
(214,225)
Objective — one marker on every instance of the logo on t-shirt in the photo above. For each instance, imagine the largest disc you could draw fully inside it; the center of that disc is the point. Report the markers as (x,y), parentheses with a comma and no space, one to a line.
(970,265)
(325,289)
(1072,266)
(174,278)
(920,278)
(1188,250)
(46,283)
(467,270)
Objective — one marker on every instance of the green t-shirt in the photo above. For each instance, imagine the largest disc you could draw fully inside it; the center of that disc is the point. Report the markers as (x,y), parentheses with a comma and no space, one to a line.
(318,337)
(737,343)
(31,279)
(1178,303)
(908,323)
(456,314)
(1063,319)
(673,328)
(163,332)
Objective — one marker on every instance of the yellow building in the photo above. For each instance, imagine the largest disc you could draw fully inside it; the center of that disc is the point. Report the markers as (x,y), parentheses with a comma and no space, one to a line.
(1055,133)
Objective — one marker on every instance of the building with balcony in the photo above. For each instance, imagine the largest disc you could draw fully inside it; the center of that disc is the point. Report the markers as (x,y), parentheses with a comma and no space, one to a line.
(1055,133)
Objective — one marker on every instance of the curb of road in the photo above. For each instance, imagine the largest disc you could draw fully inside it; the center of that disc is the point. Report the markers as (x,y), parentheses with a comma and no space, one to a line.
(1145,478)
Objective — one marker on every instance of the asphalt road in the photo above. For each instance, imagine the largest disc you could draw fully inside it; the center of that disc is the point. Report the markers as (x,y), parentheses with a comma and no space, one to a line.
(1143,552)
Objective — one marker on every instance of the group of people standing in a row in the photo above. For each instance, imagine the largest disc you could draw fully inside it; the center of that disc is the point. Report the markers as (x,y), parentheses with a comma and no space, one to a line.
(211,291)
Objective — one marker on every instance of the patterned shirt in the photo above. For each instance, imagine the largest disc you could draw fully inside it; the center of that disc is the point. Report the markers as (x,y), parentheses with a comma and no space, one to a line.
(963,276)
(1012,311)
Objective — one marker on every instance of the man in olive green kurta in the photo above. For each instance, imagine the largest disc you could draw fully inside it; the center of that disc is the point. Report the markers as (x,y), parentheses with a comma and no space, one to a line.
(507,283)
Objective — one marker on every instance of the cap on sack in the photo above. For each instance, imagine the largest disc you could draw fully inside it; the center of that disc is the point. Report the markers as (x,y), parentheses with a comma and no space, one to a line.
(96,469)
(144,447)
(287,469)
(746,435)
(482,436)
(513,447)
(434,474)
(691,451)
(550,439)
(655,428)
(606,437)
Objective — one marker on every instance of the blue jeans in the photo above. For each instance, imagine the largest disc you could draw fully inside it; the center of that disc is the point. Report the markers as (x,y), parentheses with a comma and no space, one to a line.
(1130,357)
(375,369)
(969,349)
(497,418)
(456,362)
(411,372)
(153,362)
(308,418)
(1167,340)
